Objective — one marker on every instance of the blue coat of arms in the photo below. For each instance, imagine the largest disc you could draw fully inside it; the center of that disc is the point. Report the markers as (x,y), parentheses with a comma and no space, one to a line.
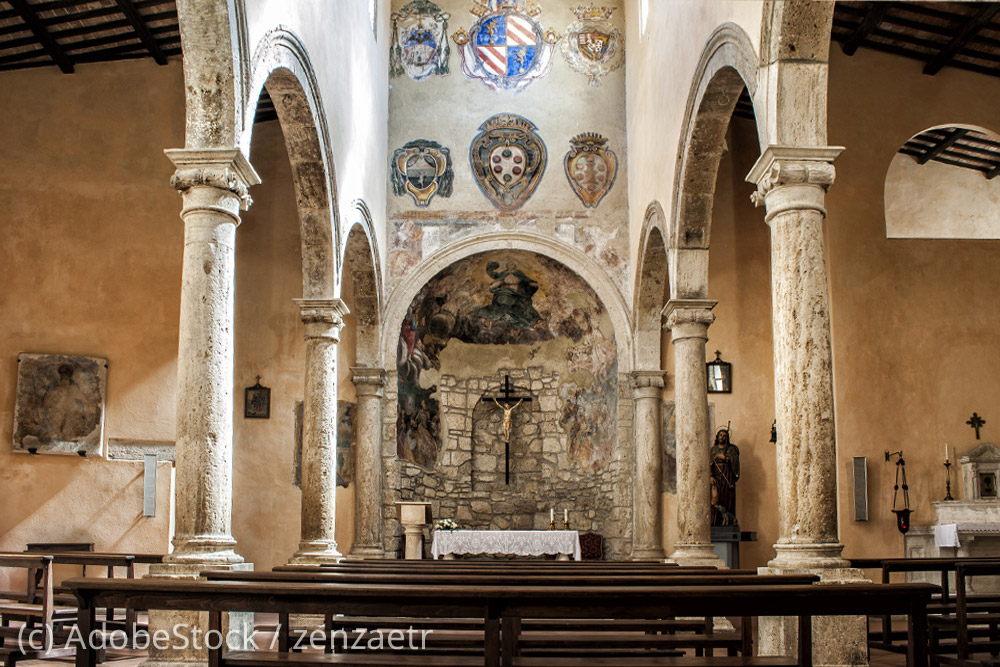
(506,48)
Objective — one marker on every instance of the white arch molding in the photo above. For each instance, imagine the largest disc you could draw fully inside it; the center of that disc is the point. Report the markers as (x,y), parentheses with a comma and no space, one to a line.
(598,280)
(282,64)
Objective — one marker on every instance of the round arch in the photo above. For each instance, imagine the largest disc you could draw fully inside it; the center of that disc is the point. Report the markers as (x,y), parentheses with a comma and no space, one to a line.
(399,300)
(361,259)
(648,300)
(727,65)
(282,66)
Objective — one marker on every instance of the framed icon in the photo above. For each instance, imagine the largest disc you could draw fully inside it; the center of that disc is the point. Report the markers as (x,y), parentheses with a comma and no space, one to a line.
(257,402)
(720,375)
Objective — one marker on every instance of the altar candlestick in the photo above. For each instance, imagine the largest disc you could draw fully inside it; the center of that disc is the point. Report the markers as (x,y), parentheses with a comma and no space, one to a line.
(565,515)
(552,514)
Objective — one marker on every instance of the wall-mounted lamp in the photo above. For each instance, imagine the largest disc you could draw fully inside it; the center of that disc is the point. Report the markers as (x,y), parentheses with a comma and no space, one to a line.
(902,515)
(720,375)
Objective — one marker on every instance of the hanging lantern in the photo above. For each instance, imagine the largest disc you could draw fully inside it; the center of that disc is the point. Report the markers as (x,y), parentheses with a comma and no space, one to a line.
(902,515)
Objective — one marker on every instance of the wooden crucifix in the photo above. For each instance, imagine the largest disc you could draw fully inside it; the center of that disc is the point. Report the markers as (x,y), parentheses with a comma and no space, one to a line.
(508,403)
(976,422)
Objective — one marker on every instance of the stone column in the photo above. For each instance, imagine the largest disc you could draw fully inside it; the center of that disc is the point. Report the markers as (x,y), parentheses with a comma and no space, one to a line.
(688,321)
(792,184)
(647,388)
(368,384)
(213,183)
(323,319)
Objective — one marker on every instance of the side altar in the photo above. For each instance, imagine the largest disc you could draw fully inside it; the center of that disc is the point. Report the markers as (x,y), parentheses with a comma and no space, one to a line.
(563,543)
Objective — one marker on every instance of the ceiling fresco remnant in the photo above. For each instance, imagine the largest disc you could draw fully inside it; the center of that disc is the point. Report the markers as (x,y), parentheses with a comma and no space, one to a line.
(502,298)
(506,48)
(593,46)
(419,41)
(422,169)
(508,158)
(591,168)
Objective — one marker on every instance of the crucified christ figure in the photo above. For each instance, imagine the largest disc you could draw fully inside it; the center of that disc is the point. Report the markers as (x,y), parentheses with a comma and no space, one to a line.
(507,411)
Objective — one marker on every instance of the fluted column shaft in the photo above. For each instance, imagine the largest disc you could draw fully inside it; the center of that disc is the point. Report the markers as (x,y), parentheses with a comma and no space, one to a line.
(213,183)
(323,319)
(368,383)
(792,184)
(688,321)
(647,390)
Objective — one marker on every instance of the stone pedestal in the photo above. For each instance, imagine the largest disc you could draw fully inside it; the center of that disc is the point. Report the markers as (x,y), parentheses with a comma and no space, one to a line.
(688,321)
(368,384)
(837,640)
(323,319)
(414,516)
(647,388)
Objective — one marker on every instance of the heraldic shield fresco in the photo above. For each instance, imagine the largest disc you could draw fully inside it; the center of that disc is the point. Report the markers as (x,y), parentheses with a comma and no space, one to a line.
(508,304)
(591,168)
(419,45)
(593,46)
(506,48)
(422,169)
(508,159)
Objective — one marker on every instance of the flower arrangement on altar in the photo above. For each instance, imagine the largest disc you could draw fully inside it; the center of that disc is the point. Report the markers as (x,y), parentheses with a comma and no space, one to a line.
(446,524)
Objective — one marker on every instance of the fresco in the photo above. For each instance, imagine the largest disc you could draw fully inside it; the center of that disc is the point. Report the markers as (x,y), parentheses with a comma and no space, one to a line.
(508,159)
(59,408)
(510,298)
(590,167)
(422,169)
(419,41)
(593,46)
(345,441)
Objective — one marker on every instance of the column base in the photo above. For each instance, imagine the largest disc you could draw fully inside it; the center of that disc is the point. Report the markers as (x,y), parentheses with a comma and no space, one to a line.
(186,629)
(315,552)
(821,555)
(648,553)
(838,641)
(696,554)
(363,551)
(204,550)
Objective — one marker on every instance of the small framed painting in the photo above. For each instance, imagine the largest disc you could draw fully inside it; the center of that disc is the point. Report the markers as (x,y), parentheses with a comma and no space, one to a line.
(257,402)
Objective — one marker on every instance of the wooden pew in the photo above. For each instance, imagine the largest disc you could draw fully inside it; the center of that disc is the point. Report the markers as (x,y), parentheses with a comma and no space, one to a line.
(39,618)
(503,605)
(974,622)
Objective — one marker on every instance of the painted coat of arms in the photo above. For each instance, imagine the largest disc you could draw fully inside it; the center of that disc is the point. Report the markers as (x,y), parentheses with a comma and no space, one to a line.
(593,46)
(419,41)
(591,168)
(506,48)
(508,159)
(422,169)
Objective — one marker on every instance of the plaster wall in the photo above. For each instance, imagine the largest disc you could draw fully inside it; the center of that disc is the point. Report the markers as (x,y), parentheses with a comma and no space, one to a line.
(92,248)
(449,109)
(351,65)
(660,70)
(270,342)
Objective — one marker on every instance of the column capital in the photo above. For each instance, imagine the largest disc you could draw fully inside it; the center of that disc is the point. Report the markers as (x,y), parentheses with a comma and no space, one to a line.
(323,318)
(679,312)
(220,168)
(642,379)
(367,380)
(793,178)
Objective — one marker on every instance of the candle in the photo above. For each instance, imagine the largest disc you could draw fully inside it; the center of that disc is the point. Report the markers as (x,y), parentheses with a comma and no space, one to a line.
(946,451)
(552,514)
(565,515)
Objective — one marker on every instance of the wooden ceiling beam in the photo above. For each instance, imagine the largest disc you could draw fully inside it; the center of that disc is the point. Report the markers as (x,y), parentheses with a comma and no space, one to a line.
(874,16)
(141,29)
(965,33)
(55,52)
(993,173)
(942,145)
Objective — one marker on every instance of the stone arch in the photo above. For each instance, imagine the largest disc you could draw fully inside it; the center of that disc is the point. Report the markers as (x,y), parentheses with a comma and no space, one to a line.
(592,274)
(214,43)
(361,259)
(727,65)
(795,53)
(651,277)
(282,66)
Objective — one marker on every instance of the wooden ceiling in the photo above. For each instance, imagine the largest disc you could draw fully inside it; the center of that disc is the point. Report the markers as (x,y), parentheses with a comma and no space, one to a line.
(958,147)
(39,33)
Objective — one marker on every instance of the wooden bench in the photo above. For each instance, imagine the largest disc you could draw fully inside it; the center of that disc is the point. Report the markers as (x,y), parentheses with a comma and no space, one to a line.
(40,622)
(504,606)
(972,626)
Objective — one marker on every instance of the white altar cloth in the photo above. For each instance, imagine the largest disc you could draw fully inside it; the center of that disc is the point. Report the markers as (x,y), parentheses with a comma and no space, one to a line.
(511,542)
(947,534)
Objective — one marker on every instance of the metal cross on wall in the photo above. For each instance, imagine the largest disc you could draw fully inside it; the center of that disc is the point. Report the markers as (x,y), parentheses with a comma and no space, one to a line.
(976,422)
(508,403)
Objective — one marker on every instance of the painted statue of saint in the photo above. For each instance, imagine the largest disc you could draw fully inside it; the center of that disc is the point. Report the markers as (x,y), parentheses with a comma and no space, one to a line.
(512,291)
(725,472)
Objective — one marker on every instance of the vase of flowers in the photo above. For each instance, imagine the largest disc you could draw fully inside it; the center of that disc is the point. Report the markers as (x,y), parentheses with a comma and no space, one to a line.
(446,524)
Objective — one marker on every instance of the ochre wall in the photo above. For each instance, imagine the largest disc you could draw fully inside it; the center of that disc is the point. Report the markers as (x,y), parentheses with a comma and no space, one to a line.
(92,266)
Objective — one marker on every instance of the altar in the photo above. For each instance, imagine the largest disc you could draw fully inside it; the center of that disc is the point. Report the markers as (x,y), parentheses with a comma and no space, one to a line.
(563,543)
